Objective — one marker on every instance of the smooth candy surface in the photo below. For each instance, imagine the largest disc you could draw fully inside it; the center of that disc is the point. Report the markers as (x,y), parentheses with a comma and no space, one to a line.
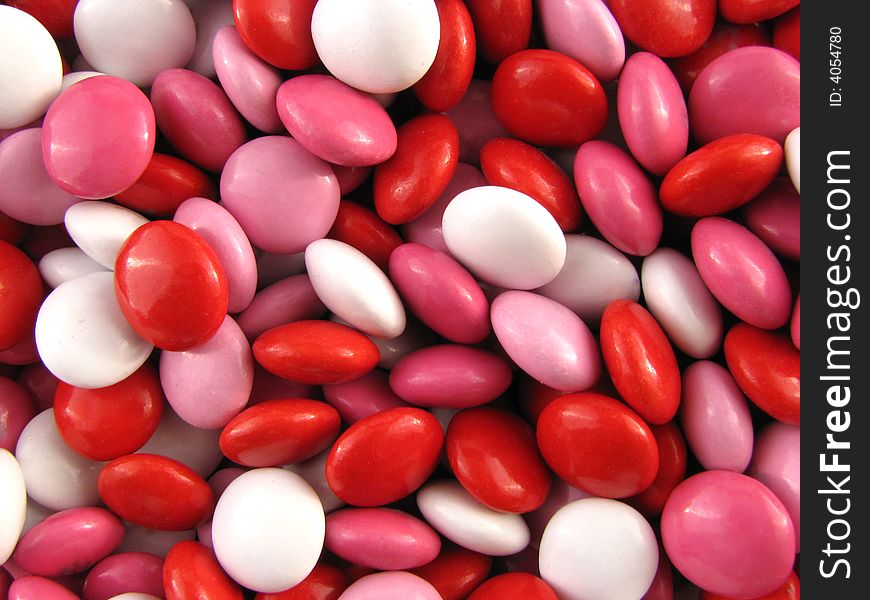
(209,18)
(273,180)
(451,510)
(16,410)
(616,557)
(166,183)
(475,120)
(795,327)
(514,586)
(98,137)
(775,217)
(362,397)
(503,27)
(618,197)
(83,337)
(196,448)
(125,572)
(13,503)
(456,571)
(390,585)
(31,587)
(793,157)
(351,286)
(741,272)
(268,529)
(278,31)
(598,444)
(676,296)
(314,472)
(776,463)
(336,122)
(450,375)
(665,27)
(673,456)
(520,245)
(135,40)
(546,340)
(787,32)
(747,90)
(100,229)
(363,229)
(715,417)
(288,300)
(191,571)
(384,457)
(750,11)
(728,534)
(20,295)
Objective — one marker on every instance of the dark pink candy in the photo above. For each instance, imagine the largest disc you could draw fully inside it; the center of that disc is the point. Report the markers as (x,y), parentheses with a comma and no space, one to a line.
(360,398)
(775,217)
(39,588)
(125,572)
(288,300)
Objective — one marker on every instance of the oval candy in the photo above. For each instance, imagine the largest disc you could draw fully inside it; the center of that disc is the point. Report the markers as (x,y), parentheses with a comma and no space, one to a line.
(502,27)
(191,570)
(123,573)
(288,300)
(775,217)
(20,295)
(776,464)
(664,27)
(101,228)
(166,182)
(278,31)
(390,585)
(13,503)
(456,571)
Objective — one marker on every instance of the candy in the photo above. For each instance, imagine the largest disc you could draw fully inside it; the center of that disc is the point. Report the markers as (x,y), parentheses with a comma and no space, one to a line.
(124,573)
(39,588)
(20,295)
(390,585)
(194,447)
(191,570)
(787,32)
(672,470)
(361,228)
(750,11)
(456,571)
(278,31)
(775,217)
(665,27)
(16,410)
(503,26)
(209,17)
(793,157)
(55,15)
(288,300)
(514,586)
(475,120)
(165,184)
(325,582)
(13,501)
(99,229)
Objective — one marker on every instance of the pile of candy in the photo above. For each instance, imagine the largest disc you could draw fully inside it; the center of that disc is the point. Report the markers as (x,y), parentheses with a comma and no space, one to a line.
(399,299)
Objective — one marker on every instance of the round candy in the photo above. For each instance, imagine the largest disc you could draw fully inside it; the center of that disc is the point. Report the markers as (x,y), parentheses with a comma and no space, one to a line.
(109,422)
(787,32)
(793,157)
(13,503)
(166,183)
(546,98)
(314,472)
(175,439)
(776,463)
(363,229)
(390,585)
(209,17)
(665,27)
(155,492)
(325,582)
(514,586)
(751,11)
(16,410)
(125,572)
(101,228)
(98,137)
(616,557)
(384,457)
(268,529)
(191,571)
(502,27)
(775,217)
(728,534)
(672,470)
(357,42)
(475,120)
(598,444)
(31,67)
(456,571)
(83,337)
(20,295)
(278,31)
(288,300)
(362,397)
(504,237)
(31,587)
(135,39)
(272,180)
(55,15)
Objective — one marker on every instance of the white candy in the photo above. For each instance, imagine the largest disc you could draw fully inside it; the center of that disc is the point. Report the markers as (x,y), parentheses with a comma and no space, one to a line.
(793,157)
(377,46)
(13,503)
(598,549)
(209,16)
(504,237)
(83,337)
(55,476)
(135,39)
(268,529)
(30,68)
(64,264)
(594,275)
(197,448)
(681,303)
(100,228)
(354,288)
(456,515)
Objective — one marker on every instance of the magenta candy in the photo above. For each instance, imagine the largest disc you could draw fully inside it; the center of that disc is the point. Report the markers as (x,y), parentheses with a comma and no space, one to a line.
(381,538)
(754,89)
(475,121)
(41,384)
(122,573)
(335,121)
(775,217)
(741,272)
(795,328)
(652,113)
(715,418)
(16,411)
(271,387)
(415,337)
(27,193)
(441,293)
(618,197)
(288,300)
(210,384)
(250,83)
(38,588)
(350,178)
(728,534)
(273,180)
(450,376)
(69,541)
(362,397)
(98,137)
(546,340)
(196,117)
(225,236)
(777,464)
(22,353)
(391,585)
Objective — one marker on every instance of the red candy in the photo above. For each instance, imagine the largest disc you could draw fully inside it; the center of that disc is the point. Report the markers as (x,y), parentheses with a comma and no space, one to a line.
(413,178)
(666,27)
(316,352)
(672,469)
(514,586)
(787,32)
(324,583)
(364,230)
(192,571)
(109,422)
(278,432)
(513,164)
(55,15)
(278,31)
(503,26)
(155,492)
(165,184)
(494,456)
(548,99)
(171,286)
(384,457)
(790,590)
(456,571)
(750,11)
(640,361)
(20,295)
(766,366)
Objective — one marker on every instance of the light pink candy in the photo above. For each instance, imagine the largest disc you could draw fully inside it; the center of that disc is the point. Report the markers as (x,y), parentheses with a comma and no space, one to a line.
(450,376)
(210,384)
(715,418)
(652,113)
(362,397)
(618,197)
(122,573)
(391,585)
(38,588)
(381,538)
(777,464)
(27,193)
(753,89)
(775,217)
(741,272)
(546,340)
(288,300)
(475,121)
(224,234)
(335,121)
(283,196)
